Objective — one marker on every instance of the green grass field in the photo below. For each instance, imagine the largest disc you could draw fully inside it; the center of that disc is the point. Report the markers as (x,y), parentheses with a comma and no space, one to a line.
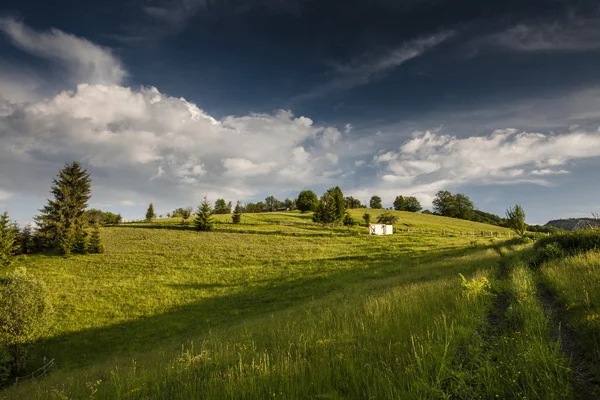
(278,307)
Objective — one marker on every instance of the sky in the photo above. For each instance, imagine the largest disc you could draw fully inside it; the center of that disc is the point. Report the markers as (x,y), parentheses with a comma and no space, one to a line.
(170,101)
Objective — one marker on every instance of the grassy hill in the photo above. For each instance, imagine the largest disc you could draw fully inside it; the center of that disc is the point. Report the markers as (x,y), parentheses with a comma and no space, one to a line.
(278,307)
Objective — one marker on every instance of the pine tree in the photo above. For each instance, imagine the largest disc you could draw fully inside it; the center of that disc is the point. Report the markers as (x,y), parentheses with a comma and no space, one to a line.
(8,240)
(95,245)
(27,242)
(237,213)
(81,242)
(367,218)
(204,219)
(63,217)
(150,214)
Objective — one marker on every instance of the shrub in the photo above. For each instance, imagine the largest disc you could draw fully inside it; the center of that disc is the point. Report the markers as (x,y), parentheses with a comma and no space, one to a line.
(24,315)
(566,244)
(367,218)
(348,220)
(387,218)
(8,240)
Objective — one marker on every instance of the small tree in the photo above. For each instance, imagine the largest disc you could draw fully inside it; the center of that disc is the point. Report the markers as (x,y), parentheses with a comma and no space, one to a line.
(81,242)
(367,218)
(375,202)
(307,201)
(184,213)
(236,218)
(515,220)
(204,220)
(95,245)
(8,240)
(25,314)
(27,241)
(387,218)
(150,214)
(348,220)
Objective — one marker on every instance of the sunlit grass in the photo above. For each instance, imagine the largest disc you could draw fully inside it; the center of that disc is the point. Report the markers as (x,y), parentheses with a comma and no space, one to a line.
(313,312)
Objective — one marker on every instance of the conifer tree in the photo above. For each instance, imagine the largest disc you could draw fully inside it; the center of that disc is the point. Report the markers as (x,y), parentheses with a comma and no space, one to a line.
(64,216)
(8,240)
(27,242)
(150,214)
(367,218)
(81,242)
(95,245)
(237,213)
(204,220)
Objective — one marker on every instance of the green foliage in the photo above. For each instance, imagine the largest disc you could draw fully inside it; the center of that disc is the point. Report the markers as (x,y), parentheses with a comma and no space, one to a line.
(515,220)
(204,220)
(477,286)
(307,201)
(25,314)
(387,218)
(221,207)
(544,229)
(331,207)
(64,216)
(351,202)
(367,218)
(272,203)
(150,213)
(99,217)
(375,202)
(236,218)
(8,240)
(6,365)
(487,218)
(348,220)
(95,245)
(453,205)
(408,203)
(575,282)
(27,240)
(289,204)
(81,242)
(565,244)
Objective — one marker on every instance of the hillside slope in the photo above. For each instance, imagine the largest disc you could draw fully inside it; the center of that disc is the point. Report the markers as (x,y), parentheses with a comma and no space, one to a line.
(160,285)
(574,224)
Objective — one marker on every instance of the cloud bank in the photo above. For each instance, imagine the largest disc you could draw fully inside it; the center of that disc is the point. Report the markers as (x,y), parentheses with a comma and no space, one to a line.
(143,145)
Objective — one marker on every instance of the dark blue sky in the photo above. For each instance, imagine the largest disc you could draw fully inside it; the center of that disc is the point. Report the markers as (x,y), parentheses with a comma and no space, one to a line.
(380,74)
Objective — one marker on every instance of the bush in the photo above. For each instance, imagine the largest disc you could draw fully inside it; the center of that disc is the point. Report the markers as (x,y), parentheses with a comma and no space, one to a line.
(387,218)
(566,244)
(24,316)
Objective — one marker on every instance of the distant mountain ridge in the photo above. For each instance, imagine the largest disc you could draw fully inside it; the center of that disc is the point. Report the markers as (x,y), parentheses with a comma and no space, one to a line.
(574,224)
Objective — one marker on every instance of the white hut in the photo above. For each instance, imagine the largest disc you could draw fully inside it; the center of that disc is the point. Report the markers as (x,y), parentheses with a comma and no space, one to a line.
(381,229)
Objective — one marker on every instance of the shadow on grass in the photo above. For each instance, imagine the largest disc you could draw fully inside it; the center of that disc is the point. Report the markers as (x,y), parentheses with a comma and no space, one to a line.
(180,324)
(200,285)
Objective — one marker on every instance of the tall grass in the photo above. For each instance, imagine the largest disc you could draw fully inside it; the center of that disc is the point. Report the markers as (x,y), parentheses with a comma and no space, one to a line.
(575,281)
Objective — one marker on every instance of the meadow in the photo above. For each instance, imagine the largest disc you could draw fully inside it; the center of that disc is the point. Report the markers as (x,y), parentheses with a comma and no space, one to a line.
(278,307)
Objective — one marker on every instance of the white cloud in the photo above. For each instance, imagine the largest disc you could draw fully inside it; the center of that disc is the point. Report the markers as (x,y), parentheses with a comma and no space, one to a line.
(143,141)
(241,167)
(501,155)
(369,67)
(84,61)
(359,163)
(573,35)
(432,161)
(541,172)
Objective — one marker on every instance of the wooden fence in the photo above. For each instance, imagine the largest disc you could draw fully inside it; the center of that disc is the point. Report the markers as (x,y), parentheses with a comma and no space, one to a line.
(36,374)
